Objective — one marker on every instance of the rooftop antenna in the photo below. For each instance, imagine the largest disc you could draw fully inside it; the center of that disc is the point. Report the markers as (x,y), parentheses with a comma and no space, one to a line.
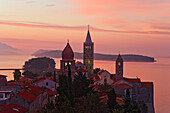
(88,27)
(67,40)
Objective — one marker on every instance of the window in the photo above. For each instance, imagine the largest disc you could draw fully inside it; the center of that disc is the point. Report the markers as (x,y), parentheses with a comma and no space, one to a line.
(46,83)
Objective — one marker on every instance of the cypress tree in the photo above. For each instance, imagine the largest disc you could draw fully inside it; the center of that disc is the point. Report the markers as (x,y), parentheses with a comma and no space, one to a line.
(70,87)
(111,99)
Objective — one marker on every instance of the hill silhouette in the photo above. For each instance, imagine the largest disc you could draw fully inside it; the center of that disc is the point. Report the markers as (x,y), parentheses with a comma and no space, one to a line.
(97,56)
(8,50)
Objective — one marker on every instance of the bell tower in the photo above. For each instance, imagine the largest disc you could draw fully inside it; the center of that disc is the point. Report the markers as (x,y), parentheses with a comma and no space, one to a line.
(88,53)
(119,68)
(67,60)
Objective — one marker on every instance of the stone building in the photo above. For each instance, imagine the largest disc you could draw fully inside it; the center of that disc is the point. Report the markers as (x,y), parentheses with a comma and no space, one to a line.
(141,92)
(88,53)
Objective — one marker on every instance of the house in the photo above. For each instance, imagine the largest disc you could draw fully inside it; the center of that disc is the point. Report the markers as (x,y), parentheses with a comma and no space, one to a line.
(30,97)
(48,83)
(102,76)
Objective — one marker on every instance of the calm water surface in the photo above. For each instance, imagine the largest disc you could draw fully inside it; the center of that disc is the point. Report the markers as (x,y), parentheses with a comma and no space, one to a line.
(158,72)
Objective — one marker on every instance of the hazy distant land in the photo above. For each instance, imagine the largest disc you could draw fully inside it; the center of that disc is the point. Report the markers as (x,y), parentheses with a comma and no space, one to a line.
(8,50)
(97,56)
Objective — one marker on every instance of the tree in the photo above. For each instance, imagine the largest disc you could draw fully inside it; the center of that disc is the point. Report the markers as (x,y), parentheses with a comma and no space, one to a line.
(111,99)
(90,104)
(81,85)
(17,75)
(70,87)
(39,66)
(49,74)
(63,105)
(96,70)
(29,74)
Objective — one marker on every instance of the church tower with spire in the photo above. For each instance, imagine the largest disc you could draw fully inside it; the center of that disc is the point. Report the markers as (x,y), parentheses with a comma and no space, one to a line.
(119,68)
(88,53)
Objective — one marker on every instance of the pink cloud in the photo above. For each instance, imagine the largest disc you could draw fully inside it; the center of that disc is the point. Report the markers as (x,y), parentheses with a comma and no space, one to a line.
(78,28)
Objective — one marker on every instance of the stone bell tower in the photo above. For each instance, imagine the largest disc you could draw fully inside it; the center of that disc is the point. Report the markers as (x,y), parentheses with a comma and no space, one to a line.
(88,53)
(119,68)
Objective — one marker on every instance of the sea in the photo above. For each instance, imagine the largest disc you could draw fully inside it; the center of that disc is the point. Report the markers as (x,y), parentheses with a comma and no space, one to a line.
(157,72)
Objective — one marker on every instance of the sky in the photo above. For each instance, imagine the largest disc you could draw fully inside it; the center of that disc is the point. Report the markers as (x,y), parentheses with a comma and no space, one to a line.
(128,26)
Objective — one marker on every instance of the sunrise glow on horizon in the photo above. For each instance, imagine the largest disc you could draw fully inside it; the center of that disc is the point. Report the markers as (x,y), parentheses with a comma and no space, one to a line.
(128,26)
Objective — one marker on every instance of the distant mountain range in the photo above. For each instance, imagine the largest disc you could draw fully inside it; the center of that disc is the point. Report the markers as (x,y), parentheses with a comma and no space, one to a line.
(97,56)
(8,50)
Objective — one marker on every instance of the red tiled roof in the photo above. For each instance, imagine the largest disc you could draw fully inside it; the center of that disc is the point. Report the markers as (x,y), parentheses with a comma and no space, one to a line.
(32,89)
(121,80)
(132,79)
(39,77)
(13,108)
(26,79)
(101,71)
(146,84)
(78,62)
(50,78)
(50,92)
(81,70)
(96,80)
(27,96)
(124,86)
(2,105)
(96,77)
(40,80)
(115,82)
(14,83)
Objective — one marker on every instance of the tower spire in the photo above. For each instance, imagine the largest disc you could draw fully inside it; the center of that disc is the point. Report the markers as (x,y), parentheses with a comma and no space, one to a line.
(88,27)
(88,37)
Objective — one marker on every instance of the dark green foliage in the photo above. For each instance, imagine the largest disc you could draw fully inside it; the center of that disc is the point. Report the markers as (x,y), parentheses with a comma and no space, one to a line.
(29,74)
(70,87)
(17,75)
(81,85)
(50,105)
(111,99)
(96,70)
(63,105)
(63,85)
(40,66)
(54,76)
(49,74)
(90,104)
